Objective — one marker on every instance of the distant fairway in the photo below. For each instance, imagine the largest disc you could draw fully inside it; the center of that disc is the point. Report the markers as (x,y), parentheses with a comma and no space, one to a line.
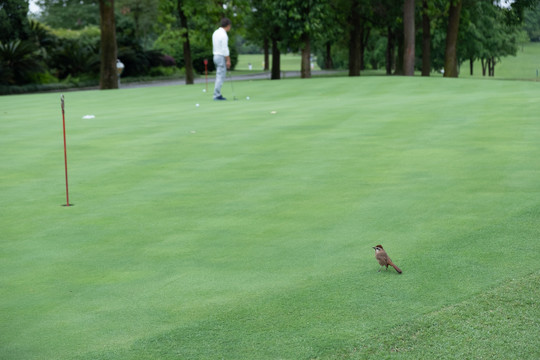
(243,229)
(523,66)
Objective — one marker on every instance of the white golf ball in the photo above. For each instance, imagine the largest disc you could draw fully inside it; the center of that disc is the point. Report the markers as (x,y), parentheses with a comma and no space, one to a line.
(247,97)
(197,105)
(203,90)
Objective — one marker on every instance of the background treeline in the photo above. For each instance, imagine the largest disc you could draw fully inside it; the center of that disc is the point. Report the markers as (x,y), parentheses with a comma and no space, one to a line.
(61,43)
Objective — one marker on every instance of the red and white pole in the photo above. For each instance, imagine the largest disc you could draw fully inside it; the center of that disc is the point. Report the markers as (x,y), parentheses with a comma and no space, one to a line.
(65,150)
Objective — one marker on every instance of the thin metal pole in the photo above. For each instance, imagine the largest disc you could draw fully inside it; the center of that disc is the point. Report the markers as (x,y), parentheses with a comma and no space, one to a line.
(65,150)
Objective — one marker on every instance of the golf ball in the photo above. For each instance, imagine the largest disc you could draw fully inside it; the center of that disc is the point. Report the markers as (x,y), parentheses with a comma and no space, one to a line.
(247,97)
(197,105)
(203,90)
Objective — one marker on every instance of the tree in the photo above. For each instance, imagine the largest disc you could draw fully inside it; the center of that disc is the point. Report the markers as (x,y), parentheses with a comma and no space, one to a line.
(13,20)
(69,14)
(426,39)
(259,24)
(450,55)
(108,74)
(19,60)
(388,18)
(360,18)
(355,36)
(408,38)
(187,27)
(496,38)
(531,22)
(331,35)
(143,14)
(266,21)
(190,76)
(300,20)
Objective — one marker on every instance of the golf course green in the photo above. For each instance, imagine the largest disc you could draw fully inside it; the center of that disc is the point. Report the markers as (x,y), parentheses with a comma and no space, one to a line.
(244,229)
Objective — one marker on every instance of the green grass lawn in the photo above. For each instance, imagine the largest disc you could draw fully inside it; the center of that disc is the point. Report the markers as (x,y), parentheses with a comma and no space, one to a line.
(288,62)
(243,229)
(523,66)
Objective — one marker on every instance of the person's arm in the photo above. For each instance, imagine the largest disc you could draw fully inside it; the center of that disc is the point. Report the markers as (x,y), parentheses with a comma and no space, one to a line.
(228,60)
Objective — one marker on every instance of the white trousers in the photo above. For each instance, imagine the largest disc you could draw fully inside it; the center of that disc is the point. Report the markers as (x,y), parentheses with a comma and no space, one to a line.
(221,72)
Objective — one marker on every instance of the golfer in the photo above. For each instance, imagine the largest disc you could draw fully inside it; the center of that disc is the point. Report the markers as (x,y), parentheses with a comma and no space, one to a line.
(222,57)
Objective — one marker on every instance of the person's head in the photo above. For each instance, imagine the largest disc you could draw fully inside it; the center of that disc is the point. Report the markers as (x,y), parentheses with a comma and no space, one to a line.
(226,24)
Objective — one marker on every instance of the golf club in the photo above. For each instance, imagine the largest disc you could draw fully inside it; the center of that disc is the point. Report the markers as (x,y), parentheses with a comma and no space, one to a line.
(232,87)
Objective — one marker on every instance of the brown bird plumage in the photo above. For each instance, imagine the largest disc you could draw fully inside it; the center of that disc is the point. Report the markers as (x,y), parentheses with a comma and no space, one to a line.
(383,259)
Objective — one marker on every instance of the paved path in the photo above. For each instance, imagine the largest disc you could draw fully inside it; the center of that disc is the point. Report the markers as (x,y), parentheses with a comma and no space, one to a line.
(201,80)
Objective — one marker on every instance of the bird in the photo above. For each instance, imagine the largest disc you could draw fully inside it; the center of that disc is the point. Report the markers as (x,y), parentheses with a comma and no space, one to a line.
(383,259)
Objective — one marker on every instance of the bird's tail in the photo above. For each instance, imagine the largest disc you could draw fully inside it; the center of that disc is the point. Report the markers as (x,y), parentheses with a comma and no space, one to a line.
(395,267)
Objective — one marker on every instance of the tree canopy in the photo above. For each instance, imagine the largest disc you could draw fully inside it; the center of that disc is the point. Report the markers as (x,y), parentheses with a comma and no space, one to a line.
(156,37)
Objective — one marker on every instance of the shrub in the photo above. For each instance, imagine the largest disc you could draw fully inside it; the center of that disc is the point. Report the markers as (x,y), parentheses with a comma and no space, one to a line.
(165,71)
(138,61)
(167,60)
(199,54)
(74,58)
(19,60)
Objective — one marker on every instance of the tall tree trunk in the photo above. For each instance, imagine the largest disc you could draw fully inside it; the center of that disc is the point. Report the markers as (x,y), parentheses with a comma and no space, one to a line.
(426,39)
(390,50)
(408,38)
(491,64)
(188,62)
(450,55)
(305,70)
(398,69)
(471,65)
(266,46)
(276,64)
(483,66)
(354,41)
(108,76)
(328,62)
(364,37)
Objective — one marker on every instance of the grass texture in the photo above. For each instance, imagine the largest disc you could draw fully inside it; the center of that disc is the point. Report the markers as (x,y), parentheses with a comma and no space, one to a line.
(523,66)
(243,229)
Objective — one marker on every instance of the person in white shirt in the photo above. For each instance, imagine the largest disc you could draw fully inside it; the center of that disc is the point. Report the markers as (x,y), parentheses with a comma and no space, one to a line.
(222,57)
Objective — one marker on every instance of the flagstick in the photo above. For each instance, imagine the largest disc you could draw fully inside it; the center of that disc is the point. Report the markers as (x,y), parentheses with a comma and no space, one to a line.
(65,150)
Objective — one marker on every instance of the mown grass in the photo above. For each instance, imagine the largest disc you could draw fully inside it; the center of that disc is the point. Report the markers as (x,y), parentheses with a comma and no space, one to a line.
(523,66)
(288,62)
(243,230)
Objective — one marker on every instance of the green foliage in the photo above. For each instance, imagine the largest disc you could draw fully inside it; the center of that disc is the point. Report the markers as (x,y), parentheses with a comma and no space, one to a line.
(142,15)
(69,14)
(166,71)
(515,14)
(13,20)
(138,61)
(74,58)
(531,23)
(19,60)
(203,20)
(487,36)
(72,53)
(42,35)
(88,35)
(43,78)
